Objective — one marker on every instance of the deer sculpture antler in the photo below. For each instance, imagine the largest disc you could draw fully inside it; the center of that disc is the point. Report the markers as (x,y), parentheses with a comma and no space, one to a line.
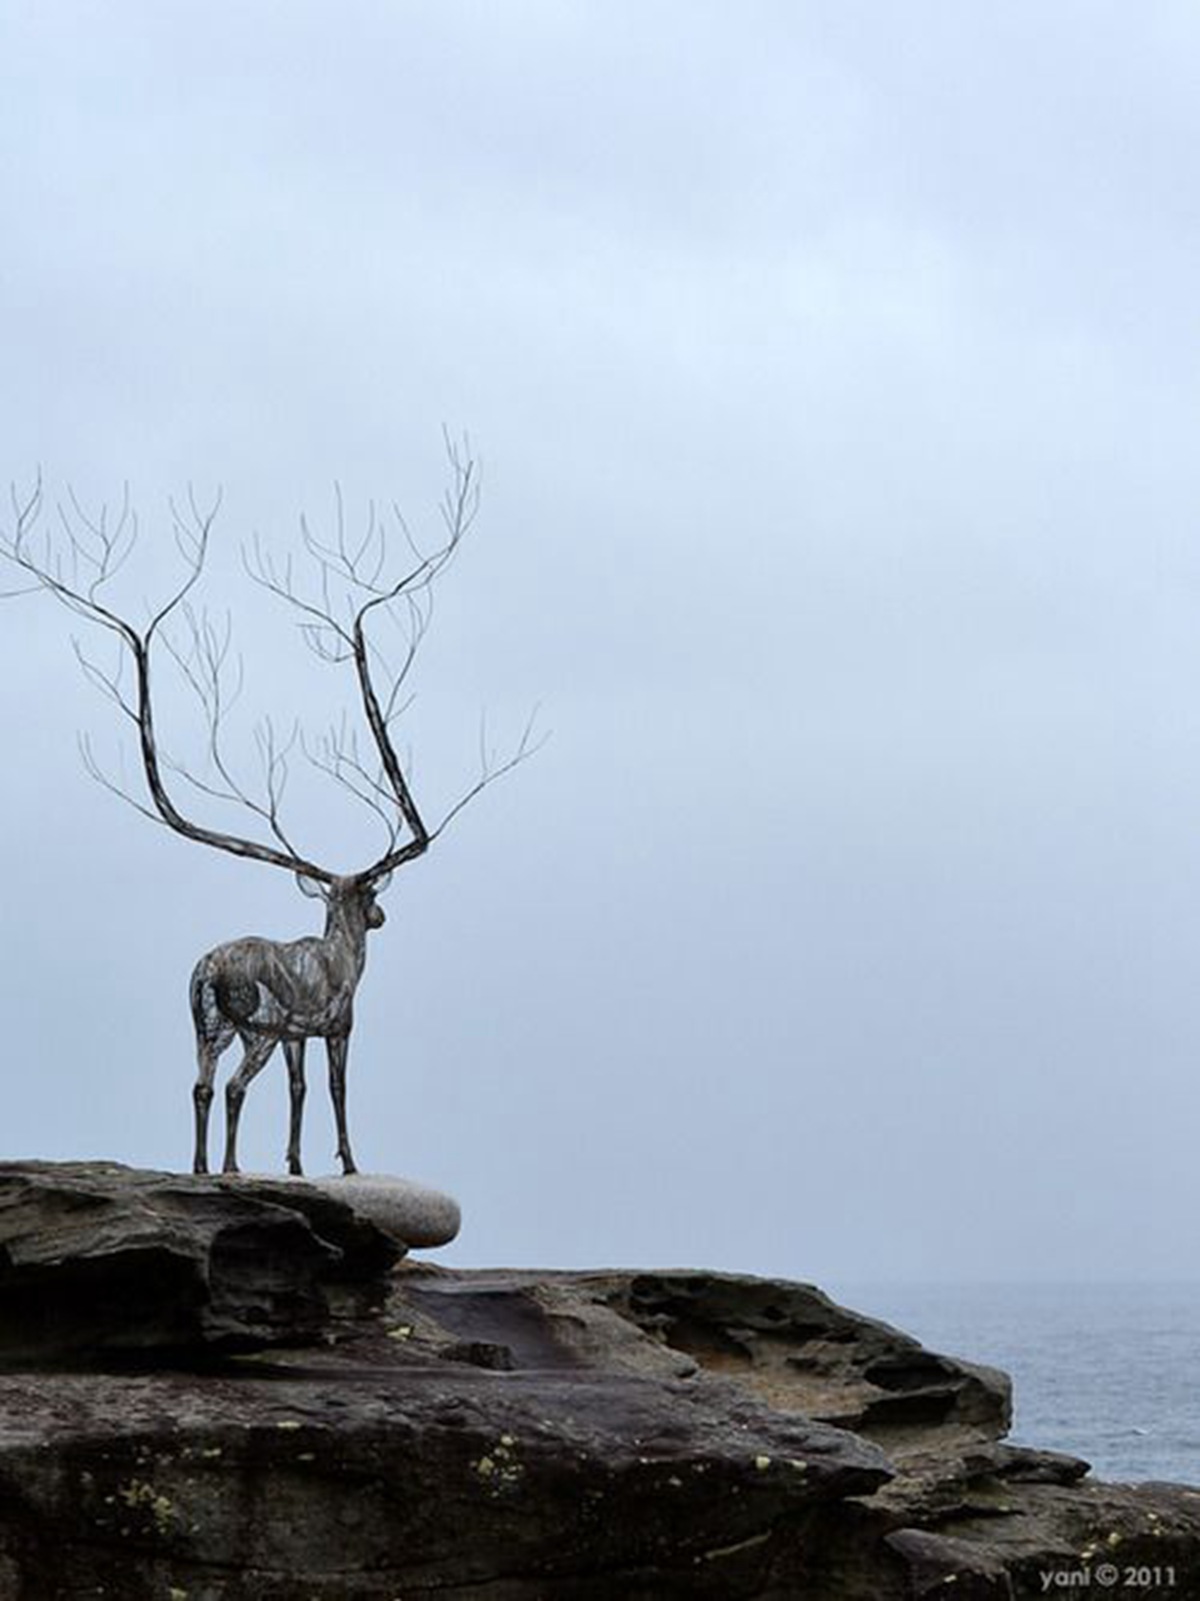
(262,991)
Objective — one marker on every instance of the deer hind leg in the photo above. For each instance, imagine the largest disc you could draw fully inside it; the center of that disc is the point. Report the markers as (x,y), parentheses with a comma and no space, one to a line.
(258,1052)
(294,1051)
(213,1035)
(337,1094)
(202,1094)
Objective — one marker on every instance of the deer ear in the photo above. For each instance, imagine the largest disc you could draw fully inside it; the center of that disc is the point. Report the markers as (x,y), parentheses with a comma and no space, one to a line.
(312,887)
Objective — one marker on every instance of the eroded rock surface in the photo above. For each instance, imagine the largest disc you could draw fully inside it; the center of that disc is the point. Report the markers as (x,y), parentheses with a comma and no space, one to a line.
(98,1259)
(497,1435)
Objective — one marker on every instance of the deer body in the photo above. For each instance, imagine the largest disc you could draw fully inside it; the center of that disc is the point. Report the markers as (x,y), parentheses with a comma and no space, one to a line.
(268,993)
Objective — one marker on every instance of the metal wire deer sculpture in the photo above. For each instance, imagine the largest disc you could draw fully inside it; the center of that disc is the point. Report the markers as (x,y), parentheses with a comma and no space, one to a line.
(265,992)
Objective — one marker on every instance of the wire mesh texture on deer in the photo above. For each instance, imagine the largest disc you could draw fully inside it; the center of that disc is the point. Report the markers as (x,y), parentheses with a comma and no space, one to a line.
(267,993)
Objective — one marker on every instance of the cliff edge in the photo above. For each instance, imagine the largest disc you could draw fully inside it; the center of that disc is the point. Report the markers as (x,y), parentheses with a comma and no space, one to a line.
(243,1390)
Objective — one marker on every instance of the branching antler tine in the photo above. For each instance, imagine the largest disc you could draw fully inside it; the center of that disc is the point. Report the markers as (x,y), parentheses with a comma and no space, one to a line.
(256,547)
(196,565)
(109,684)
(312,633)
(337,762)
(461,502)
(363,548)
(189,535)
(219,792)
(122,556)
(63,519)
(97,774)
(139,648)
(326,598)
(276,771)
(387,755)
(205,519)
(126,520)
(218,641)
(48,573)
(318,619)
(409,536)
(80,554)
(396,708)
(524,750)
(526,746)
(334,617)
(95,547)
(27,511)
(420,616)
(339,522)
(238,685)
(191,666)
(96,529)
(374,549)
(205,680)
(368,542)
(323,553)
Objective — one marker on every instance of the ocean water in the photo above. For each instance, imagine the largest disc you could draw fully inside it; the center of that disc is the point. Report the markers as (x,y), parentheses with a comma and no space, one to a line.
(1108,1372)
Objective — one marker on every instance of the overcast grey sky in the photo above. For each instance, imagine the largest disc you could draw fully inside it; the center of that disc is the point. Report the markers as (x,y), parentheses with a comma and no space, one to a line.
(833,369)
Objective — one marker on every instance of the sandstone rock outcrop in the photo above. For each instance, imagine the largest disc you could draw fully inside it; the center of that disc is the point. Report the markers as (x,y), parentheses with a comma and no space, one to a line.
(97,1259)
(365,1428)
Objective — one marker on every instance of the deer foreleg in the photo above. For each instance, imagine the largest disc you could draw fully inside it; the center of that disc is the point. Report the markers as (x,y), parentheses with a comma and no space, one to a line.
(214,1033)
(294,1051)
(258,1050)
(337,1094)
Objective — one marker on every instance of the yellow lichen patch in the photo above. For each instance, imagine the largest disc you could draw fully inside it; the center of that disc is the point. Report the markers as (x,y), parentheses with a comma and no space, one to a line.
(402,1331)
(762,1463)
(500,1468)
(289,1424)
(138,1495)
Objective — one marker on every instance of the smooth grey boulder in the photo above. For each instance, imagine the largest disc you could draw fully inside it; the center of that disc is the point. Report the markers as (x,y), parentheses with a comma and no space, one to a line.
(413,1214)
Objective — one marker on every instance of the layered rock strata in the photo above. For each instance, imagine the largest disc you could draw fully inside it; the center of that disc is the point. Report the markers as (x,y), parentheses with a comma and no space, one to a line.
(237,1393)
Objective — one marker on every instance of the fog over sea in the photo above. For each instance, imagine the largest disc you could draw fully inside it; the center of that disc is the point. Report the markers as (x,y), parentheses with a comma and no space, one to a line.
(1106,1372)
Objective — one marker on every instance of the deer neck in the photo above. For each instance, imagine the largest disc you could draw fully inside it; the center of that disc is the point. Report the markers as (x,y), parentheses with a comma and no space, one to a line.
(346,933)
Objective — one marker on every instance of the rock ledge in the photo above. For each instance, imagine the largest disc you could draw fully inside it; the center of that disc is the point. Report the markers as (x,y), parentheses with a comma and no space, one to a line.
(294,1411)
